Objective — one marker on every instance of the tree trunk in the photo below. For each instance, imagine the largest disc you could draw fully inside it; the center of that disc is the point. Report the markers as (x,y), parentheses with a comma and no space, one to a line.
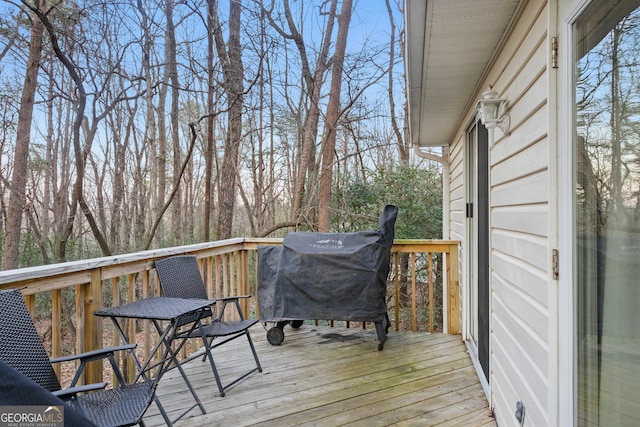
(50,172)
(233,84)
(80,152)
(313,116)
(333,114)
(17,199)
(147,207)
(172,68)
(117,227)
(403,146)
(161,152)
(210,142)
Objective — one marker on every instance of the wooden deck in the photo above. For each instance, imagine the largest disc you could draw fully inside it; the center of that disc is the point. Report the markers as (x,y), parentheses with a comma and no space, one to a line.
(323,376)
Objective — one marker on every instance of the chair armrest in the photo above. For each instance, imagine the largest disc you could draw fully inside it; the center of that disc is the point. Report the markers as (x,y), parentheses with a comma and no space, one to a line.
(228,300)
(70,392)
(233,298)
(100,353)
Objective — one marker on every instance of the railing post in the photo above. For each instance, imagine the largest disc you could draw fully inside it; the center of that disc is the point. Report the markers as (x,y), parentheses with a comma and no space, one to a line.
(217,278)
(225,275)
(453,291)
(431,308)
(56,328)
(115,301)
(255,265)
(414,314)
(92,325)
(130,366)
(146,324)
(210,278)
(396,259)
(243,280)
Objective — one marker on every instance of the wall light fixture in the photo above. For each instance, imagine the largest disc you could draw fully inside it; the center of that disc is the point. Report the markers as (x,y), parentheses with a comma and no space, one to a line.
(492,111)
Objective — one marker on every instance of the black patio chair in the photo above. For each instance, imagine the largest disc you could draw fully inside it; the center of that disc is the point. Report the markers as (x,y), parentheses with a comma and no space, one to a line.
(180,278)
(18,390)
(22,349)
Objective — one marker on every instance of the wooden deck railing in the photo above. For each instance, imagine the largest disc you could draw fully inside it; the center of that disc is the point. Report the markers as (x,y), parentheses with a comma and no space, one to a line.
(229,268)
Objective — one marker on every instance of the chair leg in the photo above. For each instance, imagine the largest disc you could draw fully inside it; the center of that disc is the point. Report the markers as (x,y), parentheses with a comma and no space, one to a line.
(204,356)
(209,354)
(253,350)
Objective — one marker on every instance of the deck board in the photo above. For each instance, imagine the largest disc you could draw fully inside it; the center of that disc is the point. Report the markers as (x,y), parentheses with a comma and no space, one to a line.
(323,376)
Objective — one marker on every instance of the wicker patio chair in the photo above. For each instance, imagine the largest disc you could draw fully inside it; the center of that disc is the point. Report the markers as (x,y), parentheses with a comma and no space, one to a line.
(180,278)
(22,349)
(18,390)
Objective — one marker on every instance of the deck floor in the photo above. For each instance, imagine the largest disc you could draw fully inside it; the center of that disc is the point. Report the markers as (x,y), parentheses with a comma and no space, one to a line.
(323,376)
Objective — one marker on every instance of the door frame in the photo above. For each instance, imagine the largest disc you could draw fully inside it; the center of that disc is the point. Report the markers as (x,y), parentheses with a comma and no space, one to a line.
(565,393)
(477,293)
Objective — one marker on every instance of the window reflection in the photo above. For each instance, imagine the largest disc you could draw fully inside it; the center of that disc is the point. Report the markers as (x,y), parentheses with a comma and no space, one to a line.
(607,156)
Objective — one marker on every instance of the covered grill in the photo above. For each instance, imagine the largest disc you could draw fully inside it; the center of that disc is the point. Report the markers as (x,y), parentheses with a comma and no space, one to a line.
(327,276)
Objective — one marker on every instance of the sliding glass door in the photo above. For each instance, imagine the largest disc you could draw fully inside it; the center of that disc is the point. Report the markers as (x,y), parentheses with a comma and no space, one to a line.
(477,256)
(607,206)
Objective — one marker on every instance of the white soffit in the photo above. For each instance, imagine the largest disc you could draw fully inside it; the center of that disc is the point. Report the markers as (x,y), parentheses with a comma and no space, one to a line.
(449,45)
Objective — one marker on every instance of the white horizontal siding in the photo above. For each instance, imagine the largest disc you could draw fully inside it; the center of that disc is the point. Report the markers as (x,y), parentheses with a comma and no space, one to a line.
(531,248)
(531,281)
(457,214)
(530,317)
(457,193)
(521,352)
(508,388)
(529,219)
(530,160)
(527,131)
(528,190)
(519,221)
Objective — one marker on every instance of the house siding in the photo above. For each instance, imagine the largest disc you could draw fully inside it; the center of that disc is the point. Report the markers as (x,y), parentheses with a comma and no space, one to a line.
(520,194)
(457,194)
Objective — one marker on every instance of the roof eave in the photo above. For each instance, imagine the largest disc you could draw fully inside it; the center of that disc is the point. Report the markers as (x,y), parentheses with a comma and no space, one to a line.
(449,48)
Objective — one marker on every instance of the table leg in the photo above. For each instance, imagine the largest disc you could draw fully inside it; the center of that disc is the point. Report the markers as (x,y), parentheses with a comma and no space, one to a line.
(169,357)
(141,367)
(169,353)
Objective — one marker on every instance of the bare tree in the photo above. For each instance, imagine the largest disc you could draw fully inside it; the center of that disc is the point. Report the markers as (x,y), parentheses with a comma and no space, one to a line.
(85,129)
(402,143)
(121,158)
(171,70)
(333,114)
(210,123)
(233,82)
(21,155)
(156,146)
(313,88)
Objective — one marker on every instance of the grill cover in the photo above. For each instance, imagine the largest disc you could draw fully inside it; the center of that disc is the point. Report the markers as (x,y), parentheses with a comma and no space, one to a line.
(327,276)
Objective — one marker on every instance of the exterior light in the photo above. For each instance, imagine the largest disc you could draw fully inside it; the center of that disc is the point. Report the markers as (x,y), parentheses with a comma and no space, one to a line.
(492,111)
